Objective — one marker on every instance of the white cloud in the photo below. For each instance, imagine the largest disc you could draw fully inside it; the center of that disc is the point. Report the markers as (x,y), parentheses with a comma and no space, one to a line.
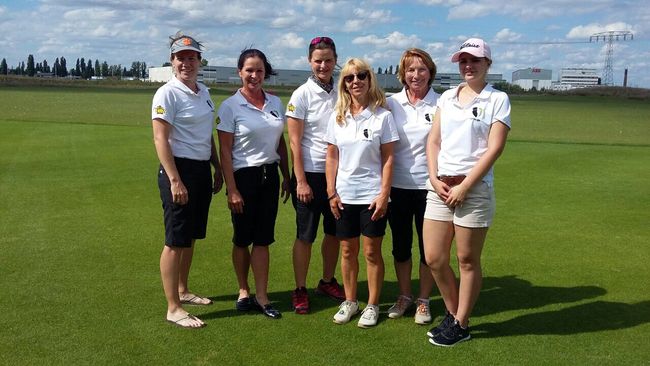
(585,31)
(394,40)
(289,40)
(506,35)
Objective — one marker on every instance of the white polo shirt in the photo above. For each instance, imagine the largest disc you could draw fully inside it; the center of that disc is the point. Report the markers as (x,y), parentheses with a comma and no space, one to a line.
(413,123)
(358,178)
(314,106)
(191,115)
(464,130)
(256,132)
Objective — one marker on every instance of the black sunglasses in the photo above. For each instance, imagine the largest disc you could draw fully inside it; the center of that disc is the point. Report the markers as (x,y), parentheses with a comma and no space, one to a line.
(361,76)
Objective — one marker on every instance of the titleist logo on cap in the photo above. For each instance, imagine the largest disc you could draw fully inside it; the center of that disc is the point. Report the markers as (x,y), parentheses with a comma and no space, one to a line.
(467,44)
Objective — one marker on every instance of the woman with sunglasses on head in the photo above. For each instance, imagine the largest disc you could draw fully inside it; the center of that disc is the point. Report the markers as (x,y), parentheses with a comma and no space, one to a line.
(308,112)
(182,121)
(413,109)
(252,145)
(468,135)
(358,168)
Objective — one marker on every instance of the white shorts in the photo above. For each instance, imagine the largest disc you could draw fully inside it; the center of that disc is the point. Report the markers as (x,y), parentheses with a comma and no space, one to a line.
(476,211)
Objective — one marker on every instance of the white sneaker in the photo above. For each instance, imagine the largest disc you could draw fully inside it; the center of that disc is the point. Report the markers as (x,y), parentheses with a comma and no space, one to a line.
(399,308)
(369,316)
(346,311)
(422,313)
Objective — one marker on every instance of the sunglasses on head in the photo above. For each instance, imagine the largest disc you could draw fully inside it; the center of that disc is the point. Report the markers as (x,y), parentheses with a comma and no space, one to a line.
(361,76)
(317,40)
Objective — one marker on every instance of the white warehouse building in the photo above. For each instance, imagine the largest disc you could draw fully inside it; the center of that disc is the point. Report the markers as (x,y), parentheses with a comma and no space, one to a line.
(532,78)
(576,77)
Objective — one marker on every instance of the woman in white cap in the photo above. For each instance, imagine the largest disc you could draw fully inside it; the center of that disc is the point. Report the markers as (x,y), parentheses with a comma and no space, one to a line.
(468,135)
(183,121)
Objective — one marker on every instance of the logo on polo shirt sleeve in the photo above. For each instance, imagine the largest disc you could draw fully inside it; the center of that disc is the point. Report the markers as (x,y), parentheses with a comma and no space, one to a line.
(159,110)
(291,107)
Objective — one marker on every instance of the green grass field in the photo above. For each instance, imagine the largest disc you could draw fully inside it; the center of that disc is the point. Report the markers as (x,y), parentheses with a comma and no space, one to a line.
(565,264)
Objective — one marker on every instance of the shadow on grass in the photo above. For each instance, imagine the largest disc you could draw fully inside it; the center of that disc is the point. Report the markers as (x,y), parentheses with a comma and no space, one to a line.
(499,294)
(584,318)
(511,293)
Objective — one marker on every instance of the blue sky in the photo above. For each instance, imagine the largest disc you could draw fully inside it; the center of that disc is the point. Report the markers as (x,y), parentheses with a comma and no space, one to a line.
(522,33)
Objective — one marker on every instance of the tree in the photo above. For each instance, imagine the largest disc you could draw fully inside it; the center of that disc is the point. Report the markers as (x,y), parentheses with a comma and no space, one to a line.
(105,69)
(396,69)
(390,69)
(204,62)
(89,69)
(82,71)
(97,68)
(77,69)
(3,67)
(64,67)
(46,67)
(379,70)
(30,66)
(56,68)
(143,70)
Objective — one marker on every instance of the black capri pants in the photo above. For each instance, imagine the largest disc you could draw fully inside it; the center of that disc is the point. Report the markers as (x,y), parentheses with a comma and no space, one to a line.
(260,190)
(405,206)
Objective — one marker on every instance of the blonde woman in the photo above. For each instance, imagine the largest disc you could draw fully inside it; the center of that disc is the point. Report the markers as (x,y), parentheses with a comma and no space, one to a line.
(358,169)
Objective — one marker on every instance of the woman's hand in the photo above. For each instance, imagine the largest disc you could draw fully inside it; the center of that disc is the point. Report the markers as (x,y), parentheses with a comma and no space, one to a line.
(218,181)
(380,207)
(285,190)
(456,195)
(304,192)
(336,206)
(179,193)
(441,188)
(235,201)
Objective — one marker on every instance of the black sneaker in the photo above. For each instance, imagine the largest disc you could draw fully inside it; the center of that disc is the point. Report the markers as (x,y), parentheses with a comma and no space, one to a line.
(444,324)
(450,336)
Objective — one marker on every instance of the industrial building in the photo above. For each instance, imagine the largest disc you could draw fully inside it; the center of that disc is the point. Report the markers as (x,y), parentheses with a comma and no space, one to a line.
(533,78)
(576,77)
(223,74)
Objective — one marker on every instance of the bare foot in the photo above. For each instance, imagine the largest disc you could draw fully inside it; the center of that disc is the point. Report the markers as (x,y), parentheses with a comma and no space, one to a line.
(192,299)
(185,320)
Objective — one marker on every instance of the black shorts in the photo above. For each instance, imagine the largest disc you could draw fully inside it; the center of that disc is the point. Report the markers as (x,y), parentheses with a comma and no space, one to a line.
(184,223)
(308,214)
(406,206)
(260,190)
(355,220)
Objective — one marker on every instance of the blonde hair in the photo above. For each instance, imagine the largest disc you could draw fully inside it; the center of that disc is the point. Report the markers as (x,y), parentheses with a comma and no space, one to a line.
(376,97)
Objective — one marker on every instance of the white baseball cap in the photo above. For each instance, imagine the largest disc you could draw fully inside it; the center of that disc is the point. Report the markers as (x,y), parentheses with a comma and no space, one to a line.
(475,47)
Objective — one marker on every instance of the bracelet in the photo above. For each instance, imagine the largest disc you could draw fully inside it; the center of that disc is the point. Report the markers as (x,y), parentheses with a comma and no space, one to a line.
(332,196)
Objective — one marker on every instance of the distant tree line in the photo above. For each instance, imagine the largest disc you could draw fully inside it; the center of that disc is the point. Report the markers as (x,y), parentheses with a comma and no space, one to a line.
(388,70)
(82,69)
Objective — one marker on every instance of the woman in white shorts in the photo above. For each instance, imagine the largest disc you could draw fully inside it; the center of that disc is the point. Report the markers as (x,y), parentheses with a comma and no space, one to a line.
(468,135)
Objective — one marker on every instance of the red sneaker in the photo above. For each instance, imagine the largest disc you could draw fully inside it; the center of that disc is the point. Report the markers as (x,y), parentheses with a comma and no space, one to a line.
(331,289)
(300,300)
